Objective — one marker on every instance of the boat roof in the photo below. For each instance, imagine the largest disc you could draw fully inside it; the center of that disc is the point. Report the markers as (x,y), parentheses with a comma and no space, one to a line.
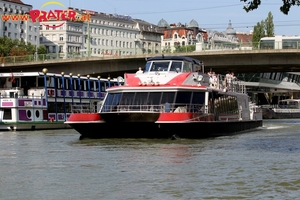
(182,58)
(289,100)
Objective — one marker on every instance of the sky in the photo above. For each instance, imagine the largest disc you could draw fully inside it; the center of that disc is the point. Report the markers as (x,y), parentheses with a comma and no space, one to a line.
(210,14)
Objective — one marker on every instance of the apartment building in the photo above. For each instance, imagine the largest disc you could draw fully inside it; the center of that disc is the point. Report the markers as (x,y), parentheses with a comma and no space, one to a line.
(99,34)
(16,27)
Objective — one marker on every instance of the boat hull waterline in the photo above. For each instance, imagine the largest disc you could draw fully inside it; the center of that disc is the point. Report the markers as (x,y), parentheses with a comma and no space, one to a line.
(121,126)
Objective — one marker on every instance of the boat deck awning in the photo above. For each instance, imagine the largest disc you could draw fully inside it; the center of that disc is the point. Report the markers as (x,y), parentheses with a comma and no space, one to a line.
(288,86)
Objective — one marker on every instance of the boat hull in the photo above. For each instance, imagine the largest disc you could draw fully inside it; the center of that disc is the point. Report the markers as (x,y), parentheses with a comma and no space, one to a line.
(287,114)
(102,129)
(30,126)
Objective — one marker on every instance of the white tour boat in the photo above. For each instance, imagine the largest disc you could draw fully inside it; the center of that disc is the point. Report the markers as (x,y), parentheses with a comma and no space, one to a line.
(285,109)
(171,97)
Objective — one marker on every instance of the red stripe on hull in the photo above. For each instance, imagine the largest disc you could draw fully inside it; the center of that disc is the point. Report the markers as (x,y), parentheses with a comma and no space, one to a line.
(184,117)
(81,117)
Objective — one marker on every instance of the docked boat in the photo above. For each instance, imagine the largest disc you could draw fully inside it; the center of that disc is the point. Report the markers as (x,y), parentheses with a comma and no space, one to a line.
(285,109)
(42,100)
(171,97)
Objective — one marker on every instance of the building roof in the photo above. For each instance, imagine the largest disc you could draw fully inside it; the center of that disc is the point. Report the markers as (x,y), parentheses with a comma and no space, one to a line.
(244,38)
(193,23)
(14,1)
(230,30)
(163,23)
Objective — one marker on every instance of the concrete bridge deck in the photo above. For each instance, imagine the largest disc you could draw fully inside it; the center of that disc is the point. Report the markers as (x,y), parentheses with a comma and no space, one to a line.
(239,61)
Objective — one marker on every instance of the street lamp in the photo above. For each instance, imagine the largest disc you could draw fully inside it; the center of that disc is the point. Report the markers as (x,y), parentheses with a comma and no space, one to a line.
(89,85)
(36,45)
(108,78)
(78,75)
(45,71)
(55,96)
(63,86)
(89,90)
(71,85)
(99,86)
(36,52)
(89,40)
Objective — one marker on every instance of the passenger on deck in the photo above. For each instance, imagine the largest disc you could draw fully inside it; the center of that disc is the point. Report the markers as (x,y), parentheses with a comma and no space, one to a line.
(212,78)
(167,107)
(180,109)
(8,83)
(140,71)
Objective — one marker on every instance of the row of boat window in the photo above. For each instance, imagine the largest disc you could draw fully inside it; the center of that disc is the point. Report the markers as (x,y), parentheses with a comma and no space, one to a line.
(62,83)
(77,84)
(192,101)
(223,104)
(176,66)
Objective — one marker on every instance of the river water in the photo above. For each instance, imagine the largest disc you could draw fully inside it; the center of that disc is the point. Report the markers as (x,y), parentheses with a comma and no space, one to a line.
(56,165)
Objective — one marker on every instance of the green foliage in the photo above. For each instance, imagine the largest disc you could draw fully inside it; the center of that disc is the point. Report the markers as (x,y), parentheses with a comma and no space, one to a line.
(42,50)
(269,25)
(251,5)
(258,33)
(189,48)
(262,29)
(9,47)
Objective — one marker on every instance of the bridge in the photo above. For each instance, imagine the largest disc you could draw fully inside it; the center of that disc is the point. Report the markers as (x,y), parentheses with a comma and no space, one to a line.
(239,61)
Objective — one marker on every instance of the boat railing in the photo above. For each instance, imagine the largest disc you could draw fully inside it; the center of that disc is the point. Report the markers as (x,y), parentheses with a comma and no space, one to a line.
(232,84)
(221,82)
(286,110)
(167,107)
(82,109)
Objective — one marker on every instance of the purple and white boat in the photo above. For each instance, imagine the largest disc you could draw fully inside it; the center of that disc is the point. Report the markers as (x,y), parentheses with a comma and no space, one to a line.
(43,101)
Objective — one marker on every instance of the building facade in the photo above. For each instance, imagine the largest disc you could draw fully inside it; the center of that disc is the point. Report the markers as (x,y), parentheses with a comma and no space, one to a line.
(15,27)
(178,35)
(100,35)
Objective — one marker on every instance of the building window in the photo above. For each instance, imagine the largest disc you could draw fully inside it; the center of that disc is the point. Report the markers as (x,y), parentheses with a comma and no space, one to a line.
(61,37)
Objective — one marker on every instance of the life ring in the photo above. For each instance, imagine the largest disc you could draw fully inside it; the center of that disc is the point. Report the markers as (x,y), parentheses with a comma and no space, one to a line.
(50,93)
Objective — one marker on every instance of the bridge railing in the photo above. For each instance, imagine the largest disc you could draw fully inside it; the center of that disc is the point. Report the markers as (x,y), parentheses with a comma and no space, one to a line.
(147,51)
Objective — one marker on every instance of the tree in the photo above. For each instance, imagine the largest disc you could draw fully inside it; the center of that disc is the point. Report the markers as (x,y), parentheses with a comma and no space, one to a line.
(258,33)
(9,47)
(269,25)
(42,49)
(263,29)
(285,8)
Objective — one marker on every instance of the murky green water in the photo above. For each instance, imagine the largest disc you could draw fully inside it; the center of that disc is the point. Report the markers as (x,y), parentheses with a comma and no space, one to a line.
(262,164)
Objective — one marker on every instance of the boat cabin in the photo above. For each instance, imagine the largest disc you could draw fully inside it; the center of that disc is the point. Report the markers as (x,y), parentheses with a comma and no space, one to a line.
(173,64)
(289,104)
